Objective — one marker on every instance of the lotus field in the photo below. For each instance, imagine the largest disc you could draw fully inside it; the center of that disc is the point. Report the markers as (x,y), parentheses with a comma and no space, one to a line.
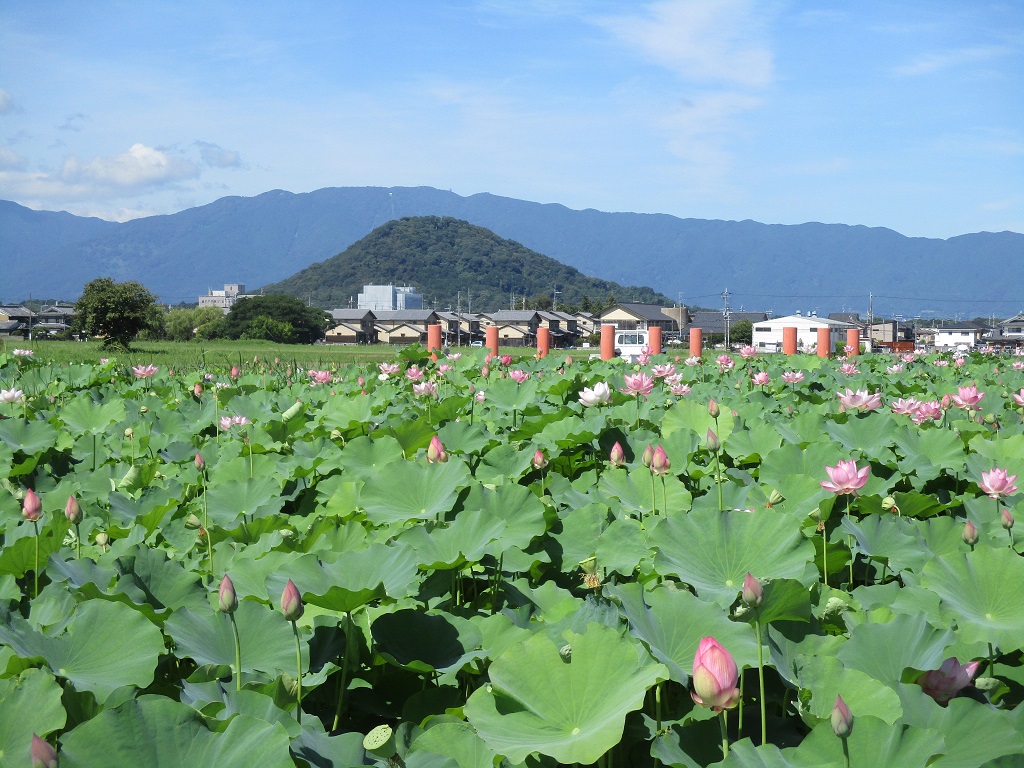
(736,561)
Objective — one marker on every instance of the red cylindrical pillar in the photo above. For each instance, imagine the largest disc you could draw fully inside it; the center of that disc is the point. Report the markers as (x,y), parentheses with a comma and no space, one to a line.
(433,340)
(492,339)
(853,340)
(607,342)
(543,341)
(824,342)
(789,340)
(655,340)
(696,342)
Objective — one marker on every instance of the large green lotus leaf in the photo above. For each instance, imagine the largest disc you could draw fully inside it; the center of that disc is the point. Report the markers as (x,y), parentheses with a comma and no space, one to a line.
(425,642)
(689,414)
(797,473)
(824,678)
(634,489)
(465,438)
(367,458)
(414,491)
(582,528)
(520,512)
(83,414)
(880,537)
(264,635)
(743,754)
(162,733)
(503,464)
(29,703)
(29,437)
(805,428)
(568,704)
(258,497)
(940,537)
(783,600)
(870,435)
(509,396)
(622,546)
(456,741)
(982,589)
(927,452)
(975,734)
(885,650)
(714,551)
(321,750)
(872,744)
(1006,452)
(751,444)
(104,646)
(412,434)
(149,578)
(672,623)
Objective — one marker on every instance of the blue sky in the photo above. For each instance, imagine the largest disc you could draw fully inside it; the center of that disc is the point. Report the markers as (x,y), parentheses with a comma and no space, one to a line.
(907,115)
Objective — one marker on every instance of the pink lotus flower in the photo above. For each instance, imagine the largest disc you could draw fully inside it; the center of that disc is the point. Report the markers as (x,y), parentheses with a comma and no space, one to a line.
(1018,397)
(793,377)
(725,363)
(320,377)
(968,398)
(861,400)
(908,357)
(715,676)
(663,371)
(14,395)
(518,375)
(894,369)
(539,459)
(414,373)
(748,352)
(291,602)
(436,453)
(849,349)
(506,360)
(443,368)
(1018,365)
(425,389)
(692,360)
(997,483)
(42,754)
(941,363)
(144,371)
(227,422)
(387,370)
(599,394)
(844,477)
(679,390)
(930,411)
(660,464)
(638,384)
(480,396)
(904,407)
(760,379)
(453,356)
(31,506)
(23,353)
(841,719)
(617,456)
(849,369)
(947,681)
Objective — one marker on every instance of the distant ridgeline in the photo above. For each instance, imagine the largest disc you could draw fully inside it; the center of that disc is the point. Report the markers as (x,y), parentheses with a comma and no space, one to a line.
(442,256)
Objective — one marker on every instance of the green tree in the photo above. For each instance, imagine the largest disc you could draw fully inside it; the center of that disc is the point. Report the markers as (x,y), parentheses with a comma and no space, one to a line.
(115,311)
(269,329)
(308,323)
(741,332)
(188,323)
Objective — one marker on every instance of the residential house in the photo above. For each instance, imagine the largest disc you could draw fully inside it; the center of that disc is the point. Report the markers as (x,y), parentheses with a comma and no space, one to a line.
(1008,333)
(961,336)
(55,319)
(14,320)
(404,326)
(563,327)
(460,330)
(633,317)
(767,335)
(352,326)
(516,328)
(713,321)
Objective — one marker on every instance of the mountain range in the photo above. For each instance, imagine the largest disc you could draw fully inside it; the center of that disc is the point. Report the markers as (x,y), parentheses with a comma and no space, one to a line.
(267,238)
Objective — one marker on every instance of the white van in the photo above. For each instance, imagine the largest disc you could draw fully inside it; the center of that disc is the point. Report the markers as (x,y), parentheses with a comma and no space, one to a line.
(629,345)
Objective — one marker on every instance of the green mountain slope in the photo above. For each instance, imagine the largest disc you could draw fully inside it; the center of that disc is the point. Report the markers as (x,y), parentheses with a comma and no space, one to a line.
(441,256)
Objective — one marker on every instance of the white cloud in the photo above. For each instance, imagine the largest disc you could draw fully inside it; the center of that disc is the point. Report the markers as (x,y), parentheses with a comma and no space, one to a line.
(11,160)
(6,102)
(930,63)
(702,41)
(140,166)
(217,157)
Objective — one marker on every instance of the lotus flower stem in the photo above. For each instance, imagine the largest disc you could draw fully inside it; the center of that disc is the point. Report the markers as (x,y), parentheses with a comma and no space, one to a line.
(664,497)
(739,712)
(344,671)
(657,706)
(94,452)
(654,499)
(760,681)
(298,669)
(78,543)
(238,653)
(824,554)
(718,477)
(35,572)
(846,753)
(725,733)
(991,661)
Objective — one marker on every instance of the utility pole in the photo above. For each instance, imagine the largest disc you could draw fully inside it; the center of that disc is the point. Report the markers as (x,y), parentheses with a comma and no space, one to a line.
(871,319)
(725,314)
(458,319)
(554,298)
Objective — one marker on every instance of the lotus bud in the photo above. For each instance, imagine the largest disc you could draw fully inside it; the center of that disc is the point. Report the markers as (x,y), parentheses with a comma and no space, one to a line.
(946,402)
(753,592)
(193,523)
(842,719)
(200,462)
(715,677)
(970,534)
(713,442)
(43,755)
(713,408)
(485,371)
(235,372)
(539,461)
(197,389)
(617,457)
(435,451)
(660,464)
(102,539)
(775,498)
(506,359)
(227,600)
(291,602)
(31,506)
(73,511)
(1006,519)
(648,456)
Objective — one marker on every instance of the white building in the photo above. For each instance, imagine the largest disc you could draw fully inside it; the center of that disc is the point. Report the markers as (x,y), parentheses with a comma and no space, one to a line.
(224,299)
(961,337)
(389,298)
(767,335)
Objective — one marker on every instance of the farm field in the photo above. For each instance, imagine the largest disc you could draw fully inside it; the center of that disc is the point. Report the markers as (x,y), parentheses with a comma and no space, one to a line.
(341,561)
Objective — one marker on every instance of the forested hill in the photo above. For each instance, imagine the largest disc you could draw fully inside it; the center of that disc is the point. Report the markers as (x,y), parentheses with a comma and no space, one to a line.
(442,256)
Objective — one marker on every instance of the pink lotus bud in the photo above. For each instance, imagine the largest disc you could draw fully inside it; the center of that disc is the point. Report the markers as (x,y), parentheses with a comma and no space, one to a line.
(970,534)
(715,676)
(753,592)
(946,402)
(235,372)
(361,381)
(539,461)
(648,456)
(1006,518)
(31,507)
(197,389)
(227,600)
(485,371)
(200,462)
(617,457)
(73,511)
(713,408)
(660,464)
(291,602)
(43,755)
(435,451)
(713,442)
(842,719)
(947,681)
(506,359)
